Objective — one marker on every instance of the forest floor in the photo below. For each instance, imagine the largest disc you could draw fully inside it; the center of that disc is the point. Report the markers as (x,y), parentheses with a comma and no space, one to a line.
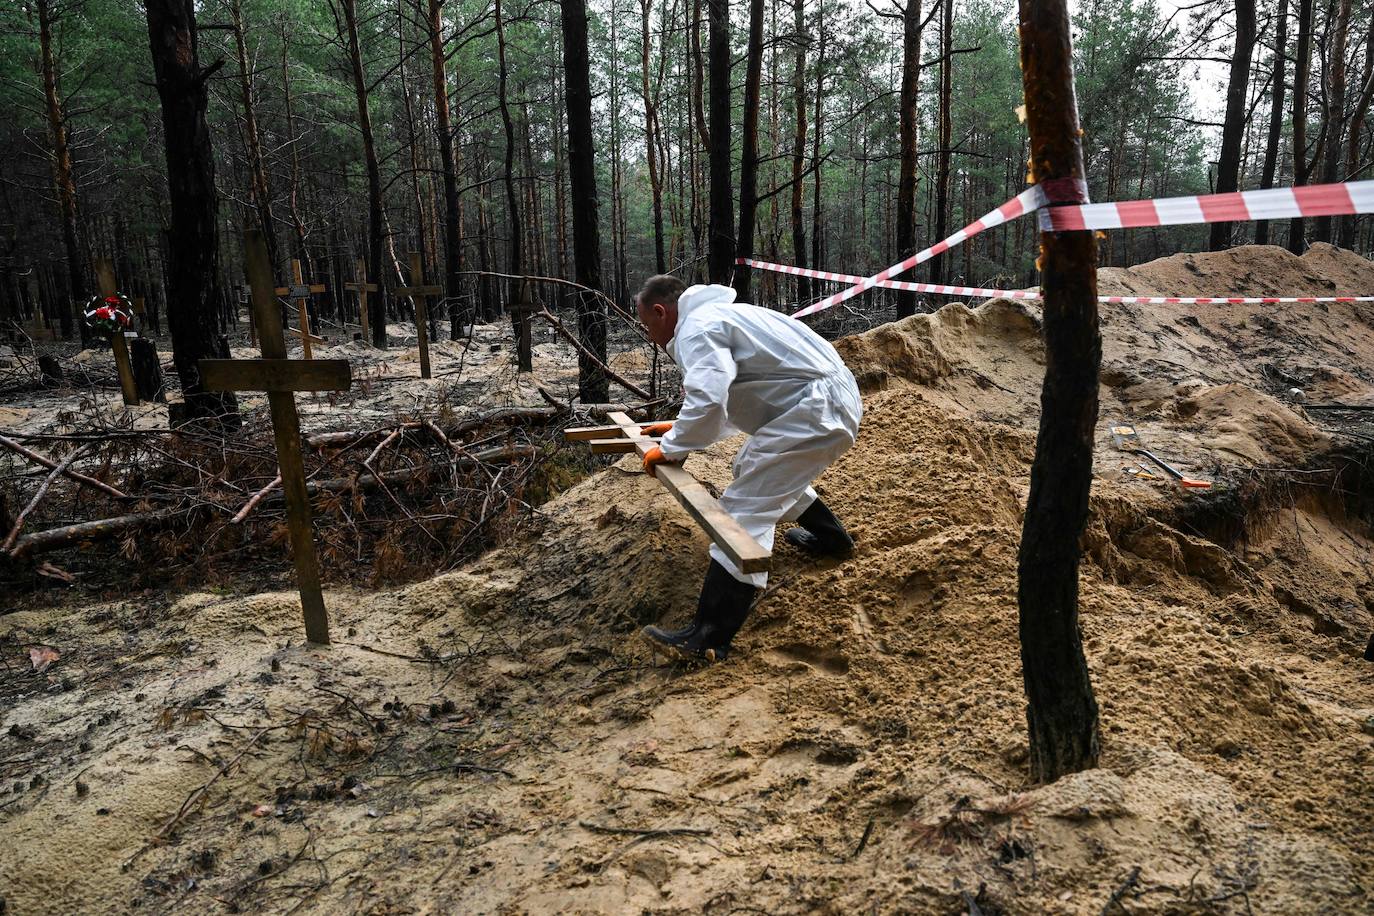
(498,740)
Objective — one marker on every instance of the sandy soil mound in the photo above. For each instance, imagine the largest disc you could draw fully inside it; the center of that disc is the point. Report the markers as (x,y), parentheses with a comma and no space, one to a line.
(496,740)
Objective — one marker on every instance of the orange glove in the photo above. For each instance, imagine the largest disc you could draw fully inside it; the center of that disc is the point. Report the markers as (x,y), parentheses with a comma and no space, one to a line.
(652,457)
(656,429)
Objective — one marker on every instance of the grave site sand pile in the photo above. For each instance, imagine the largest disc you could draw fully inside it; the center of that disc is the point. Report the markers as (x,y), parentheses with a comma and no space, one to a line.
(474,743)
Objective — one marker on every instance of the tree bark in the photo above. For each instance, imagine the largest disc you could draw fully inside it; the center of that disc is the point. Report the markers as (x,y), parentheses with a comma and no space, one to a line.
(720,229)
(1357,120)
(376,233)
(651,139)
(1233,124)
(749,157)
(592,385)
(1335,113)
(799,147)
(63,181)
(193,282)
(1297,228)
(460,315)
(909,119)
(1061,711)
(519,319)
(1271,146)
(937,263)
(257,171)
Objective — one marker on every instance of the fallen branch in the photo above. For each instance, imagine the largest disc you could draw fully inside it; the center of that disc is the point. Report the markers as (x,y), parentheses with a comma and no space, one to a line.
(577,345)
(68,472)
(38,497)
(491,417)
(256,498)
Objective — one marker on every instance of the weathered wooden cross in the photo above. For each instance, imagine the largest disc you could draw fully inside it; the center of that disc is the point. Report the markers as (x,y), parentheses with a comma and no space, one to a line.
(300,293)
(420,293)
(362,288)
(104,269)
(279,377)
(747,553)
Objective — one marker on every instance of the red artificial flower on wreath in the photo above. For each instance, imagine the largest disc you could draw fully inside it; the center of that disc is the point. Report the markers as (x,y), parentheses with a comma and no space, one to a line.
(112,300)
(104,312)
(123,318)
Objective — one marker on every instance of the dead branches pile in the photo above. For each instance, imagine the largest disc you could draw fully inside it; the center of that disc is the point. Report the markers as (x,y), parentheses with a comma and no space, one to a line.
(394,502)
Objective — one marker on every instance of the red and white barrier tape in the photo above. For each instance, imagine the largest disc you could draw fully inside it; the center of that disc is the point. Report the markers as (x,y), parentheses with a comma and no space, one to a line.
(1276,203)
(940,289)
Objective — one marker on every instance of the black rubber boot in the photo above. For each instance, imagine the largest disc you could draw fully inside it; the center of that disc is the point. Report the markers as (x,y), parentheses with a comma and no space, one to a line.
(721,611)
(821,533)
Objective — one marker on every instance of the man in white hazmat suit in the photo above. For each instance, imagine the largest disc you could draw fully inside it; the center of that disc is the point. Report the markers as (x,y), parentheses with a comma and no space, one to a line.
(749,369)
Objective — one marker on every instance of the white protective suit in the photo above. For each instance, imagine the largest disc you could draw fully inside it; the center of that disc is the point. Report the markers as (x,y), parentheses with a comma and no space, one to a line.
(747,368)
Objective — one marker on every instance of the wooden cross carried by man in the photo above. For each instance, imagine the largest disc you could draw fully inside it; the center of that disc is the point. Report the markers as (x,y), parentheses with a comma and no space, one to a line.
(279,377)
(421,294)
(362,288)
(300,293)
(104,269)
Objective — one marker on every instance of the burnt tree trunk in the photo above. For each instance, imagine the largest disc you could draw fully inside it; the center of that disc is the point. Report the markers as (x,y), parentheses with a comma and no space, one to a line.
(1061,711)
(909,115)
(460,315)
(720,242)
(1233,124)
(1297,231)
(592,385)
(516,267)
(1335,113)
(1271,145)
(651,139)
(749,157)
(1357,120)
(193,283)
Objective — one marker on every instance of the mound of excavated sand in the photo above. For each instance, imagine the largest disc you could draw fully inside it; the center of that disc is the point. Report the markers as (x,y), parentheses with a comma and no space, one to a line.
(471,743)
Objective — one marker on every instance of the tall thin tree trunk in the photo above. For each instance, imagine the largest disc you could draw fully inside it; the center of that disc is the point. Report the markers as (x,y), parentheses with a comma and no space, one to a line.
(1061,711)
(937,263)
(1357,119)
(460,315)
(1297,240)
(799,146)
(1233,123)
(516,265)
(749,157)
(592,386)
(908,118)
(293,192)
(818,123)
(651,139)
(193,287)
(720,242)
(1335,112)
(1271,146)
(257,170)
(376,229)
(63,180)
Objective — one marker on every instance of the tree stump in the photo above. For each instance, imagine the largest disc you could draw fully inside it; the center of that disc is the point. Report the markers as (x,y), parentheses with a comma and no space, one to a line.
(147,370)
(50,370)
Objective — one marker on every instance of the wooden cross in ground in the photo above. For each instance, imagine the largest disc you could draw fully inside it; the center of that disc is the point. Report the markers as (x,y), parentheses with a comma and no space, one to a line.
(362,288)
(300,293)
(279,377)
(104,269)
(421,294)
(747,553)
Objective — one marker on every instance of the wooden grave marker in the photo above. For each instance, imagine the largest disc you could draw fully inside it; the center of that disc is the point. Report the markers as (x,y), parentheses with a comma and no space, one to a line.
(747,553)
(362,287)
(280,377)
(104,269)
(300,293)
(420,293)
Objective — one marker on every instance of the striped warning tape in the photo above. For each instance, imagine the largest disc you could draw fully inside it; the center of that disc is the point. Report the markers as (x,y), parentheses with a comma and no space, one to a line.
(1054,215)
(941,289)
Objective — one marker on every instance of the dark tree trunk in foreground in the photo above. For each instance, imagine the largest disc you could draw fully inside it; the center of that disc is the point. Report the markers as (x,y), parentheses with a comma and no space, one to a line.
(909,115)
(1233,125)
(1271,145)
(1061,710)
(592,386)
(193,292)
(257,172)
(1335,113)
(460,316)
(516,266)
(1297,229)
(651,138)
(376,230)
(749,158)
(720,244)
(1357,119)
